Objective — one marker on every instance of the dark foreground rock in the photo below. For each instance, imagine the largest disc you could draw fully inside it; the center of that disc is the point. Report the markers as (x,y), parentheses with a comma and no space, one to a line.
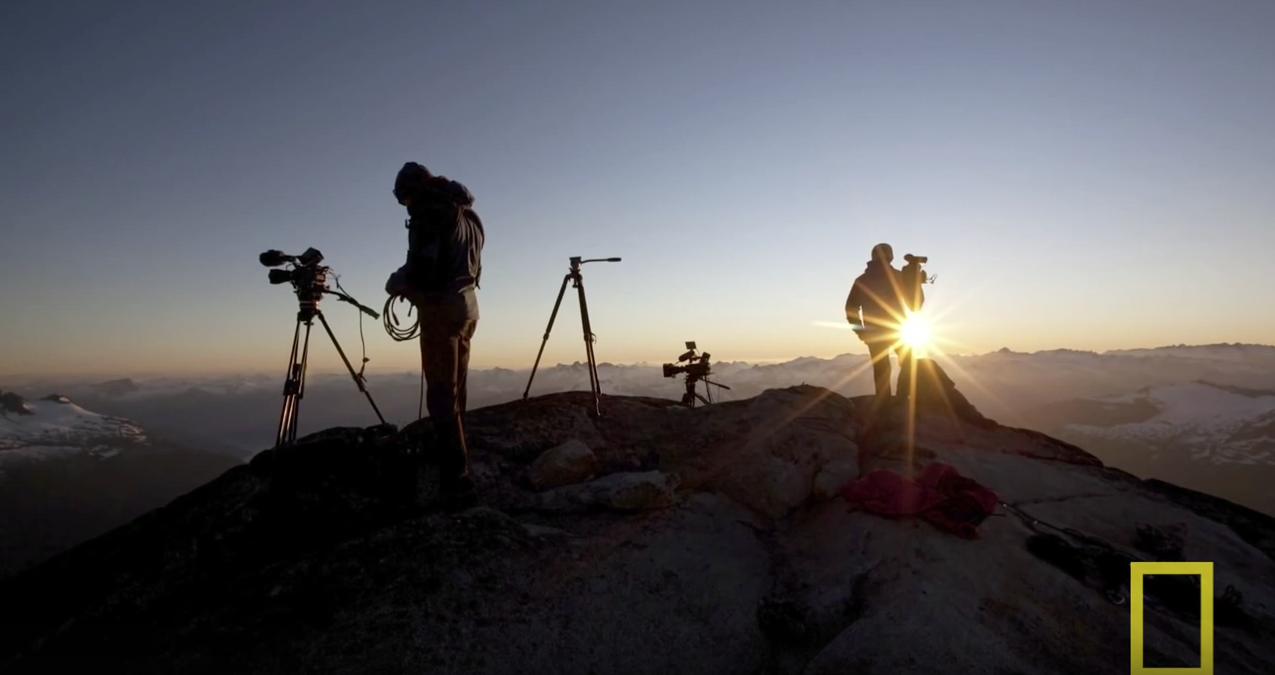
(693,541)
(48,506)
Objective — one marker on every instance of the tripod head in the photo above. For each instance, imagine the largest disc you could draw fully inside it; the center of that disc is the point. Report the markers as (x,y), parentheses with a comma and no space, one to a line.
(576,262)
(309,279)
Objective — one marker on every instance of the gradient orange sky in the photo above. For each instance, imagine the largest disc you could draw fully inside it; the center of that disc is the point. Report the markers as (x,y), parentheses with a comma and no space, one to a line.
(1087,176)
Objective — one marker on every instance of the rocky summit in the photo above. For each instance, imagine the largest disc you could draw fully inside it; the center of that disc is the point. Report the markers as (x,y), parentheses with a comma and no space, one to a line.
(795,532)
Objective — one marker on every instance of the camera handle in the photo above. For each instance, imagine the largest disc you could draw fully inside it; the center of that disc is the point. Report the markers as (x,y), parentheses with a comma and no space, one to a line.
(347,299)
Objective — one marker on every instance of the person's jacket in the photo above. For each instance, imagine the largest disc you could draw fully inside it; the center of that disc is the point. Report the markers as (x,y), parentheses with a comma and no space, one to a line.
(879,292)
(445,243)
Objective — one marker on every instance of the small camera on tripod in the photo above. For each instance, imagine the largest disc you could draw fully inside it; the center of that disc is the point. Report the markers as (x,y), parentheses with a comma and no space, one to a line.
(697,369)
(698,364)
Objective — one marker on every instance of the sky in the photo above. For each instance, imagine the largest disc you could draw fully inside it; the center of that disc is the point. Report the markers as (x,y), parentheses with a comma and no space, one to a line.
(1082,175)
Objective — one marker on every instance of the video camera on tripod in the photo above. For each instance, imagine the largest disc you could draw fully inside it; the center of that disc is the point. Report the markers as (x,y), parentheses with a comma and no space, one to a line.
(697,369)
(308,278)
(913,278)
(309,281)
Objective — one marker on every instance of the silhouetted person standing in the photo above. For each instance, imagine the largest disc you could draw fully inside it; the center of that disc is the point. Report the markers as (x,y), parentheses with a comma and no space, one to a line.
(440,277)
(878,294)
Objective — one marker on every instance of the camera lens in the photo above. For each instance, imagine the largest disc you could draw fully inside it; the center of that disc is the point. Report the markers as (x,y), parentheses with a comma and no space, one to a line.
(280,276)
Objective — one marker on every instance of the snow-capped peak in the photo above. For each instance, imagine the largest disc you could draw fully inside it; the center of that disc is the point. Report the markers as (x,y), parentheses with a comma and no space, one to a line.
(55,426)
(1222,423)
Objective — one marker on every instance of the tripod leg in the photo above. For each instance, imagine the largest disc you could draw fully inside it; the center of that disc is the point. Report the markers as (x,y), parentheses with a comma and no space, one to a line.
(290,389)
(357,380)
(300,379)
(548,329)
(594,382)
(294,388)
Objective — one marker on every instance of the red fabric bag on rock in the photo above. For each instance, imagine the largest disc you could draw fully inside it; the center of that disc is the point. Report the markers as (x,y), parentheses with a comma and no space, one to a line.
(940,495)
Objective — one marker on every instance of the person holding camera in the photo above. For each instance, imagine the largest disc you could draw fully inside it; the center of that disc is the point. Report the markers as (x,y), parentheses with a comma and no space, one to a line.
(440,278)
(880,296)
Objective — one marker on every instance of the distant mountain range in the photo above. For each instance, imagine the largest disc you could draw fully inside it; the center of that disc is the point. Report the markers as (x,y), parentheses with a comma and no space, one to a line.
(1051,391)
(242,410)
(68,474)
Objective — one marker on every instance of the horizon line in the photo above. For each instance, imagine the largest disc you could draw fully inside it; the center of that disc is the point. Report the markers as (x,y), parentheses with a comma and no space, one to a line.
(612,364)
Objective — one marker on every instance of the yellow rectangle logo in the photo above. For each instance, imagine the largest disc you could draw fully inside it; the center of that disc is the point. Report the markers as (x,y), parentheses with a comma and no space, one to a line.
(1138,570)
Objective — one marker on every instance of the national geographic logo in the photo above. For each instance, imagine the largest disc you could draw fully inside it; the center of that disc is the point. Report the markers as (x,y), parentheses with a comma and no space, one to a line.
(1138,571)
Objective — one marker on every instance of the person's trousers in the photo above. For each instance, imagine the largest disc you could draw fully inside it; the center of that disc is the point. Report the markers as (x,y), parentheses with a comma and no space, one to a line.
(907,372)
(880,346)
(445,362)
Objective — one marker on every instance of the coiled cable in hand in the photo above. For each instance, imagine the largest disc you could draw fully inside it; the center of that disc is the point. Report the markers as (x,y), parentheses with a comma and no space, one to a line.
(402,334)
(396,331)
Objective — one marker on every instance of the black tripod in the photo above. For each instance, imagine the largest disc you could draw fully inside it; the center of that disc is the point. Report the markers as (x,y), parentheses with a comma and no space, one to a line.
(294,384)
(573,275)
(689,398)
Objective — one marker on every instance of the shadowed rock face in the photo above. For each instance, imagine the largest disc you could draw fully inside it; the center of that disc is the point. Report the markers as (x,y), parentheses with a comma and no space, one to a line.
(12,404)
(697,543)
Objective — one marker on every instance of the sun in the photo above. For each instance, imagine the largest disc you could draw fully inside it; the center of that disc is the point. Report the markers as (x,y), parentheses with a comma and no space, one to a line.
(916,332)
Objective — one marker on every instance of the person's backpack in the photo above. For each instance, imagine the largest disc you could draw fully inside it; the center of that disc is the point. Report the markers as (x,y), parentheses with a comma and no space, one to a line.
(878,292)
(448,208)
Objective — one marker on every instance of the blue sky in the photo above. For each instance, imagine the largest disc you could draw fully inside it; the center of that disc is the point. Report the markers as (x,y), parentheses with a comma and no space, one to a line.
(1082,175)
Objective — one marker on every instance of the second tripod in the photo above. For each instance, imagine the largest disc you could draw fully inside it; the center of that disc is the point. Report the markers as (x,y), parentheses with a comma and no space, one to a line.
(573,276)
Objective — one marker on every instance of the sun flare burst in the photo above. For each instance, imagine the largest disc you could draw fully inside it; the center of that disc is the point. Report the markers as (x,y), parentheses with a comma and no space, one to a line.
(925,335)
(916,332)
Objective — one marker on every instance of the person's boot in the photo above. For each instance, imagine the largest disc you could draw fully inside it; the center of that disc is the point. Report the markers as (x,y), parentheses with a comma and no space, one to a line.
(457,492)
(455,487)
